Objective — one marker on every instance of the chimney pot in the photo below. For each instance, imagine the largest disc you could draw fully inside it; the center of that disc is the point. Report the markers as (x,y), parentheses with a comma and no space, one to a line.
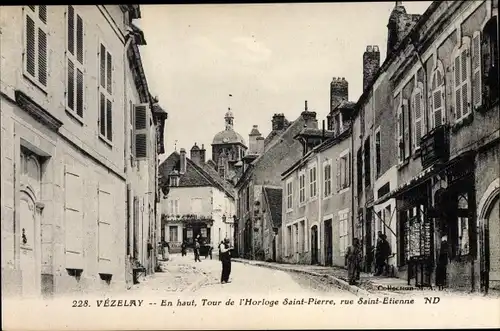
(375,48)
(368,48)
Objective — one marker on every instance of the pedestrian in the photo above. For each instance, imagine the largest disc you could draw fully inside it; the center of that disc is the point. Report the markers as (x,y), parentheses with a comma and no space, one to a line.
(353,259)
(442,262)
(382,253)
(220,253)
(226,261)
(183,248)
(210,249)
(197,251)
(166,251)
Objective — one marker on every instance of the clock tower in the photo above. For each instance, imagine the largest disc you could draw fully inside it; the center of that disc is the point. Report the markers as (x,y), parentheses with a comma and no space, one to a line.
(228,148)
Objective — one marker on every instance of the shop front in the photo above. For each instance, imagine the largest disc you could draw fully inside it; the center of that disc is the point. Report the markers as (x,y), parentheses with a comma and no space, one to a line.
(194,227)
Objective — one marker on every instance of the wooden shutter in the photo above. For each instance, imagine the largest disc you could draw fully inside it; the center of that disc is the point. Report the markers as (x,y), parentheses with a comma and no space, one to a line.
(418,127)
(106,238)
(141,129)
(349,167)
(437,99)
(400,134)
(406,129)
(457,86)
(465,73)
(131,128)
(476,70)
(36,48)
(30,45)
(73,217)
(109,120)
(337,161)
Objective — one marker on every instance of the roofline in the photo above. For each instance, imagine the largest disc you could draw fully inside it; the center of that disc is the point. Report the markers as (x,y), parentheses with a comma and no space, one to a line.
(394,55)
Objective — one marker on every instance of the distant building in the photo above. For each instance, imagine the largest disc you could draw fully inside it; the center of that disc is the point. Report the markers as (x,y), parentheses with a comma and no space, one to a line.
(199,201)
(266,159)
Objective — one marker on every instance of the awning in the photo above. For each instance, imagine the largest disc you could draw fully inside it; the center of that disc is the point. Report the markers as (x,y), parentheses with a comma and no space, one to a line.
(415,181)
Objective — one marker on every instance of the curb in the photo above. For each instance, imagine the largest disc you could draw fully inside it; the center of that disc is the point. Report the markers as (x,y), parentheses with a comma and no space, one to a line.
(337,281)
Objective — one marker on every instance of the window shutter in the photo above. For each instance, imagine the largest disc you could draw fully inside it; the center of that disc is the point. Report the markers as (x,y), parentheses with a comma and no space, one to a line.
(42,56)
(465,71)
(102,114)
(141,130)
(400,140)
(337,181)
(71,29)
(348,172)
(109,120)
(102,62)
(458,99)
(30,45)
(42,13)
(476,70)
(105,228)
(109,68)
(406,129)
(79,39)
(417,107)
(79,92)
(73,215)
(70,93)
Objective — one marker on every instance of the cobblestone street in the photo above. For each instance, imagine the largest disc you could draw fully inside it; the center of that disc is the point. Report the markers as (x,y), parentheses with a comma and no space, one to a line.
(182,274)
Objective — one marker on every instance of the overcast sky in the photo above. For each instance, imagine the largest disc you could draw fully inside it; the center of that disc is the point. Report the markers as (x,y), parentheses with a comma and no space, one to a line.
(270,57)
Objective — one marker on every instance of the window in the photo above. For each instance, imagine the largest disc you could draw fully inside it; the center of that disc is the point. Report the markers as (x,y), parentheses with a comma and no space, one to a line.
(174,181)
(403,131)
(131,127)
(247,198)
(476,70)
(489,61)
(296,232)
(289,194)
(75,86)
(368,161)
(141,130)
(378,161)
(290,240)
(312,182)
(343,230)
(461,230)
(105,93)
(35,45)
(437,97)
(462,86)
(343,171)
(417,106)
(173,234)
(302,236)
(327,175)
(302,187)
(196,206)
(359,169)
(174,207)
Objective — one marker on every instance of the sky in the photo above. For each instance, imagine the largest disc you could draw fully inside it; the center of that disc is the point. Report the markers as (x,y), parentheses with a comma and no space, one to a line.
(269,57)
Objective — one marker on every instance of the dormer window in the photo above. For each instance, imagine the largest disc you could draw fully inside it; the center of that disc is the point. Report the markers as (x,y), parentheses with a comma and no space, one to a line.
(174,181)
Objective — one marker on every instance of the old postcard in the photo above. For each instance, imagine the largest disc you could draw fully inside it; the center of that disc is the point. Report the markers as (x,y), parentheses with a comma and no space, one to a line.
(235,166)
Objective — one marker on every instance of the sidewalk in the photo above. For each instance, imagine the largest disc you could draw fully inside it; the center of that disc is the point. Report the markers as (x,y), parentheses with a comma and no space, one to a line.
(367,285)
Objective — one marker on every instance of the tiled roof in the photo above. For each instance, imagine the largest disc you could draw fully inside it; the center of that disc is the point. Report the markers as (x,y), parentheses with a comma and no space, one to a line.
(312,132)
(273,198)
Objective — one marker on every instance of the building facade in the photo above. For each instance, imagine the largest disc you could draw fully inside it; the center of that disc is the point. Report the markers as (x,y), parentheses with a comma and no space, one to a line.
(64,137)
(262,167)
(199,201)
(441,79)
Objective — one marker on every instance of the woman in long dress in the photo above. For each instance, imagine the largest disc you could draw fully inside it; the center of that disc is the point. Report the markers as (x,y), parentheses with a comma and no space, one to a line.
(353,261)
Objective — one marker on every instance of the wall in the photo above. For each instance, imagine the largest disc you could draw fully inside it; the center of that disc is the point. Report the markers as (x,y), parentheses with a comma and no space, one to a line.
(76,152)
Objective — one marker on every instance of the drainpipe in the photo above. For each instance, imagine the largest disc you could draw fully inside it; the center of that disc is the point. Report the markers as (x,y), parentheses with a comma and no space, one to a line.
(352,183)
(320,198)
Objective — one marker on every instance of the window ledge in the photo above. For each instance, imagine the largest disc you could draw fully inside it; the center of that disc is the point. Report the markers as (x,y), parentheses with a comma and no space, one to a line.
(485,107)
(313,199)
(403,164)
(105,140)
(463,122)
(37,84)
(344,190)
(417,153)
(74,116)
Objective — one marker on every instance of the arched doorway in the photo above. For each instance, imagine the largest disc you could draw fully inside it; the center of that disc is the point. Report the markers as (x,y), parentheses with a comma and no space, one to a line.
(30,230)
(489,229)
(314,245)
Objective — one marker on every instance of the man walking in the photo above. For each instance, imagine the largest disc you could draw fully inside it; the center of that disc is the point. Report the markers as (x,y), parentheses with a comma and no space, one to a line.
(382,253)
(197,250)
(226,261)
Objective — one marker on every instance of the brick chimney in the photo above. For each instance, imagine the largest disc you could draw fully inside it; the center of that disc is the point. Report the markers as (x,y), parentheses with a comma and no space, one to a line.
(195,155)
(309,117)
(260,145)
(339,91)
(371,64)
(182,166)
(278,122)
(252,140)
(202,153)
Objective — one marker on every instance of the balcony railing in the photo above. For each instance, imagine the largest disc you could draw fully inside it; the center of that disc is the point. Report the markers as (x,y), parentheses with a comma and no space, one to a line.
(435,146)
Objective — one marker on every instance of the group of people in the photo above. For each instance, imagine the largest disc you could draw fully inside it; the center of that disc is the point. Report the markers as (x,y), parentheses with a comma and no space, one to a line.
(354,258)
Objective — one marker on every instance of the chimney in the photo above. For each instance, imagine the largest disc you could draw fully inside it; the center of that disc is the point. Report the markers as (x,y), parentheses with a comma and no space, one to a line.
(396,26)
(195,154)
(339,91)
(278,122)
(252,140)
(202,153)
(371,64)
(260,145)
(309,117)
(182,167)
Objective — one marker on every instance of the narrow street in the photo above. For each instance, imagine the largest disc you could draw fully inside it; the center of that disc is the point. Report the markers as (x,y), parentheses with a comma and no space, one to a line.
(182,274)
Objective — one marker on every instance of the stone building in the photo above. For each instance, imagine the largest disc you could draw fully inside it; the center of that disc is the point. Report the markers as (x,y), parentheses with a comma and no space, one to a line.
(199,201)
(262,169)
(441,81)
(65,147)
(228,149)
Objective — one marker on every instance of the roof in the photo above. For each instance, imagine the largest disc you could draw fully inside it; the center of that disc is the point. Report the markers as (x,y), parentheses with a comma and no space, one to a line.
(273,198)
(228,137)
(211,163)
(195,175)
(313,132)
